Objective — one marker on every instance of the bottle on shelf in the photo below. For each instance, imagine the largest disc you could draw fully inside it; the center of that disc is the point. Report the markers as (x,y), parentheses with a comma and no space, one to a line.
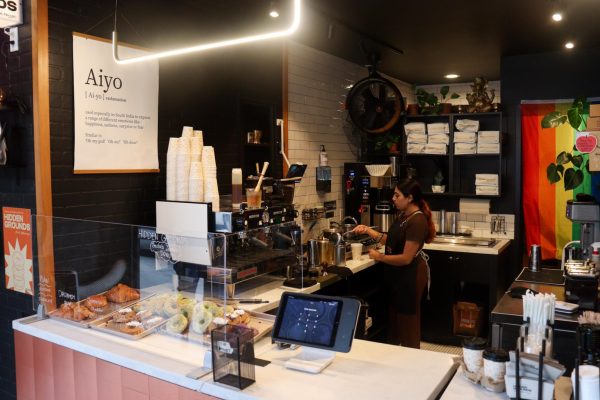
(323,157)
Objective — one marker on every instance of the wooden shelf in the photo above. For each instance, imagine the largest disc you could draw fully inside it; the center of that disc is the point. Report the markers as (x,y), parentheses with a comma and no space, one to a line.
(426,155)
(459,194)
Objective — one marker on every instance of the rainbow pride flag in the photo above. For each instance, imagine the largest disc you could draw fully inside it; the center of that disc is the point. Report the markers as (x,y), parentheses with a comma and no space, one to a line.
(544,204)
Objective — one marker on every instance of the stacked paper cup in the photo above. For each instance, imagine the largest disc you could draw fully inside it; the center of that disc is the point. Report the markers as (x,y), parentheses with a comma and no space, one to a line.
(172,168)
(183,170)
(209,166)
(196,188)
(196,148)
(187,131)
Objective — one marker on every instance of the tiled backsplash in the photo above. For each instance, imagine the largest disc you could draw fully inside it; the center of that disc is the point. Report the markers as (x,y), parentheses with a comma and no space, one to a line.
(480,225)
(317,87)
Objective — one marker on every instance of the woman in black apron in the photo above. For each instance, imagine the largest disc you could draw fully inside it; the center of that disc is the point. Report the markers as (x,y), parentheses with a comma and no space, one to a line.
(405,265)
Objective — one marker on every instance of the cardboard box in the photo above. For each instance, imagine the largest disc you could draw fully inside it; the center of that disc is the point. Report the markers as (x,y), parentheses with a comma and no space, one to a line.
(593,124)
(595,155)
(594,110)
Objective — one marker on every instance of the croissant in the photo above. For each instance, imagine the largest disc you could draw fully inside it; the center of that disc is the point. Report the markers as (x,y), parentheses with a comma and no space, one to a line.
(81,312)
(65,310)
(96,302)
(122,293)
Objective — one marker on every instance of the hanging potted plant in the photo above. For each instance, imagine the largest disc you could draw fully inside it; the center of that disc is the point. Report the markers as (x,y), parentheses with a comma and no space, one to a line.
(569,166)
(446,108)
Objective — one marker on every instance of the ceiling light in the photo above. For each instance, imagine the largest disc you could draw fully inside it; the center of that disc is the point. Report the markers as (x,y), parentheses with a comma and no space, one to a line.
(207,46)
(274,14)
(274,10)
(557,17)
(569,45)
(451,76)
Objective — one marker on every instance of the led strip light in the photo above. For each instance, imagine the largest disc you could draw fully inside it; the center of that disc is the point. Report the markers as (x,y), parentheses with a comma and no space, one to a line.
(207,46)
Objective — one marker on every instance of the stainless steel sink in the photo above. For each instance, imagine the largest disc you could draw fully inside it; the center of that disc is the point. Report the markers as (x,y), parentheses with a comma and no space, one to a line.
(464,241)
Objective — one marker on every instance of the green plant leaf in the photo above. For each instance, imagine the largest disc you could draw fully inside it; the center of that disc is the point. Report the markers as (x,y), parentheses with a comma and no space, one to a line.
(553,119)
(579,103)
(563,158)
(577,161)
(572,178)
(560,169)
(587,166)
(575,118)
(444,91)
(552,173)
(454,96)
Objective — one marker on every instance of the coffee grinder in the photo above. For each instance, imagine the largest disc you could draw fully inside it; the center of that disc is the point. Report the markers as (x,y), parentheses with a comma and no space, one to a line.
(587,214)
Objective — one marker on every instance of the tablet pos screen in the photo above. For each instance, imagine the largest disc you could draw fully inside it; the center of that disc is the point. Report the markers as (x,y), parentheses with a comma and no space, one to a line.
(308,320)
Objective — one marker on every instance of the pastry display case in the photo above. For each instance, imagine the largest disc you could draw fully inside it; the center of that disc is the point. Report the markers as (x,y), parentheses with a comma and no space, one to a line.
(130,281)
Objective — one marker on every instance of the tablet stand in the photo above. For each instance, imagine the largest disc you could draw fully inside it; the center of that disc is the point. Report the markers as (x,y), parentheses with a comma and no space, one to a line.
(311,360)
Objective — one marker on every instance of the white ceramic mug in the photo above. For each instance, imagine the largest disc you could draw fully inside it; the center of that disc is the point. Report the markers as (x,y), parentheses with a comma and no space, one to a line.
(356,251)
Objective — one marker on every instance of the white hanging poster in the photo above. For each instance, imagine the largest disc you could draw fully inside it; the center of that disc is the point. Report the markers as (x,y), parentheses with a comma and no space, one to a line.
(115,109)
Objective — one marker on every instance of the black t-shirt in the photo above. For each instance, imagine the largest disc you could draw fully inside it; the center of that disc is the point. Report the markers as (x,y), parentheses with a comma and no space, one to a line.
(400,282)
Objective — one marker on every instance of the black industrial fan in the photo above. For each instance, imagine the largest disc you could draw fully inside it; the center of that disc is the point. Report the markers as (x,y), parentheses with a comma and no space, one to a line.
(374,103)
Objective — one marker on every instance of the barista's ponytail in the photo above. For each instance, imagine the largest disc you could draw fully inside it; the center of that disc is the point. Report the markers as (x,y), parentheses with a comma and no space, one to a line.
(411,187)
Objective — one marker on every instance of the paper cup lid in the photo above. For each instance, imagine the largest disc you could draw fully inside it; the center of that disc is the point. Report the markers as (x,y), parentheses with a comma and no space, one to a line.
(498,355)
(474,343)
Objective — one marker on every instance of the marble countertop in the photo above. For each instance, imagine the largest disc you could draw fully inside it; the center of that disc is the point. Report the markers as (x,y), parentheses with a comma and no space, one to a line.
(499,247)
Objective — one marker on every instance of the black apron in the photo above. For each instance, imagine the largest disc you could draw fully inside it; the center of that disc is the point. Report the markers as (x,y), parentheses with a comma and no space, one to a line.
(400,282)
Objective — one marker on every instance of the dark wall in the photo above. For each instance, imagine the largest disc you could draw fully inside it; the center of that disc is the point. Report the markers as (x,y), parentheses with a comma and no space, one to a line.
(17,185)
(204,91)
(559,75)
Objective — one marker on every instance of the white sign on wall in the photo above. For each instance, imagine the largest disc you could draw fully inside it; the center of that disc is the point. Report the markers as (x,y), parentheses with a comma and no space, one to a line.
(116,109)
(11,13)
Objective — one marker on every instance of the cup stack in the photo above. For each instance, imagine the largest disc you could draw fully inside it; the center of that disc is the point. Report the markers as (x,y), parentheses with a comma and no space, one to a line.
(183,170)
(209,166)
(172,168)
(196,188)
(187,131)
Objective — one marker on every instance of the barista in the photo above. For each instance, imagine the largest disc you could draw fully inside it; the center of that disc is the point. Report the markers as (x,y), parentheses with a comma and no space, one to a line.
(405,265)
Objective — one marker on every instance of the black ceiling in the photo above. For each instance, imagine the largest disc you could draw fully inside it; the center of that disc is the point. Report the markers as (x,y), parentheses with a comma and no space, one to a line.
(467,37)
(437,37)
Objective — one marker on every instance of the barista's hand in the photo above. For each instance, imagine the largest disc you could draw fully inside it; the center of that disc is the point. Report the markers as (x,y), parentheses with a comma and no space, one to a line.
(375,255)
(360,229)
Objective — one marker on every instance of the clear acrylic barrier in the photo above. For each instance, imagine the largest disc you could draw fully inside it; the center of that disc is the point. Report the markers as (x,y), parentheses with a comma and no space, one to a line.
(133,282)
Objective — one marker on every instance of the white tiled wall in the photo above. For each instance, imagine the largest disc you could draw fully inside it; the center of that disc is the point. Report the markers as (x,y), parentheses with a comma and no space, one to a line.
(461,88)
(317,85)
(479,225)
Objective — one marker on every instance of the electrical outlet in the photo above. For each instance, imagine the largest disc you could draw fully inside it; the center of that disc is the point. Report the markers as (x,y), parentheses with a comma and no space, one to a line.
(13,38)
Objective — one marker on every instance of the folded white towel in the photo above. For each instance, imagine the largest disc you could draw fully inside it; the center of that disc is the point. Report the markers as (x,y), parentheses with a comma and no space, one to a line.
(488,136)
(486,180)
(467,125)
(436,148)
(438,138)
(488,148)
(438,127)
(415,148)
(465,148)
(486,190)
(414,127)
(416,138)
(465,137)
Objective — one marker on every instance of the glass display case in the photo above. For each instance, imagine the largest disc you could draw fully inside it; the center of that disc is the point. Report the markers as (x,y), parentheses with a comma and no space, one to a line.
(135,283)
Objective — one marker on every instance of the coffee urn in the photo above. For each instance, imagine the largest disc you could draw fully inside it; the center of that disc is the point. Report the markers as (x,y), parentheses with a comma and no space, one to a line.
(384,215)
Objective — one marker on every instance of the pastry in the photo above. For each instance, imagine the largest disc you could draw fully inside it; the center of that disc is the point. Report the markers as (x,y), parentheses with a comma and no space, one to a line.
(177,324)
(122,293)
(201,320)
(65,310)
(81,312)
(124,315)
(96,302)
(186,305)
(132,328)
(171,305)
